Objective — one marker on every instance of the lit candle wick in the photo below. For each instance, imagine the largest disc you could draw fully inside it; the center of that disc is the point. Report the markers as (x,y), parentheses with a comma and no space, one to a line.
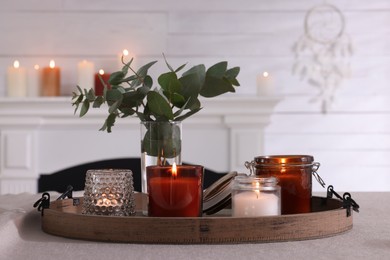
(257,189)
(101,72)
(265,74)
(16,64)
(174,170)
(52,64)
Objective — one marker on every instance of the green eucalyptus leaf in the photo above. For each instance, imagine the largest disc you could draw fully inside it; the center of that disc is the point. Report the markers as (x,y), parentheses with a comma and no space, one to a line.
(192,81)
(90,95)
(214,87)
(127,111)
(148,81)
(126,66)
(180,67)
(132,99)
(169,82)
(98,102)
(232,73)
(84,108)
(166,62)
(158,105)
(218,70)
(176,99)
(143,90)
(115,106)
(141,73)
(234,82)
(80,90)
(116,78)
(188,114)
(193,103)
(109,123)
(113,95)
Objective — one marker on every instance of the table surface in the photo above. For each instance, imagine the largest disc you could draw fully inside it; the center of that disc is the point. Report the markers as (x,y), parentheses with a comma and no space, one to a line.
(21,237)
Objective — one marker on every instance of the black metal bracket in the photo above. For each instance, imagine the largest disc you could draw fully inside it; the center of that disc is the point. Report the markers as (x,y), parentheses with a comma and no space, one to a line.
(67,194)
(348,202)
(43,203)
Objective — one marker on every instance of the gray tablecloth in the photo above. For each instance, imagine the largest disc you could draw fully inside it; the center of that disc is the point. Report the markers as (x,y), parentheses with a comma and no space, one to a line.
(21,237)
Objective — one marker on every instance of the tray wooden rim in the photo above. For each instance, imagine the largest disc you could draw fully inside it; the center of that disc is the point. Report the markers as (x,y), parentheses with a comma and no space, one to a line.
(64,219)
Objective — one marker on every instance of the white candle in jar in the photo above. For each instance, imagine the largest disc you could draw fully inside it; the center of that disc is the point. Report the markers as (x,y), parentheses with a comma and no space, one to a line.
(255,203)
(34,82)
(16,81)
(86,74)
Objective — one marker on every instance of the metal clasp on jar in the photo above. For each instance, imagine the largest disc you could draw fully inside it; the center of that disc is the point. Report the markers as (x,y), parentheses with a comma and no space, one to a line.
(252,164)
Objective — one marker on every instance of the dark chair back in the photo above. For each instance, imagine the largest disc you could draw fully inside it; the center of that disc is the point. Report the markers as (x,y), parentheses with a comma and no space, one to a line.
(75,176)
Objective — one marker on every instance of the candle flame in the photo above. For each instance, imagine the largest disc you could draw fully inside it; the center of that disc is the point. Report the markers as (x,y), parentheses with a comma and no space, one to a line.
(16,64)
(265,74)
(52,64)
(125,52)
(101,72)
(283,161)
(36,67)
(257,188)
(174,170)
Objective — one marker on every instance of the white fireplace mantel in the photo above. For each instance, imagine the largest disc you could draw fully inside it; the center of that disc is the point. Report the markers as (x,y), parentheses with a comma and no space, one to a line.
(42,135)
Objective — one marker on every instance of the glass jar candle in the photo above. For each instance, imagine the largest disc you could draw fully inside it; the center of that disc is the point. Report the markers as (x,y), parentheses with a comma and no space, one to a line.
(175,191)
(295,179)
(109,192)
(253,197)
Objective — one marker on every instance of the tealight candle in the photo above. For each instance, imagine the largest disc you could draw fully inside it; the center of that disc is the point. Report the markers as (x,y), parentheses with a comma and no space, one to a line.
(51,78)
(85,73)
(175,191)
(254,197)
(99,86)
(16,81)
(109,192)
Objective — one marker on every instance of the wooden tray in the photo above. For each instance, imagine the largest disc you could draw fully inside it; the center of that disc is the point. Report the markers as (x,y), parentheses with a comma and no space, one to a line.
(327,219)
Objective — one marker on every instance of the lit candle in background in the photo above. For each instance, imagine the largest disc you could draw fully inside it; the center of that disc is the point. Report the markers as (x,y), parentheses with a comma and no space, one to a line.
(126,58)
(16,81)
(51,79)
(99,86)
(34,82)
(265,84)
(85,73)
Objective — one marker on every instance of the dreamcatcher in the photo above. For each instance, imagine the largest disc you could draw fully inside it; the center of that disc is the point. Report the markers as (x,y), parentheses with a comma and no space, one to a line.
(322,52)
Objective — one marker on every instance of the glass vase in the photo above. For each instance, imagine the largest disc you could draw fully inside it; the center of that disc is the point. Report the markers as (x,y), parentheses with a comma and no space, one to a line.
(161,146)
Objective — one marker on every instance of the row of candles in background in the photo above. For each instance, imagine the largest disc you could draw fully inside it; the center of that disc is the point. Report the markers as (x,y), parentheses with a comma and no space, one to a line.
(23,82)
(47,81)
(280,185)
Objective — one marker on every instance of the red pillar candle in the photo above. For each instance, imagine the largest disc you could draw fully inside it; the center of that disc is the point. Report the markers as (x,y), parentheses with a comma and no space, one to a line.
(99,86)
(51,78)
(175,191)
(294,174)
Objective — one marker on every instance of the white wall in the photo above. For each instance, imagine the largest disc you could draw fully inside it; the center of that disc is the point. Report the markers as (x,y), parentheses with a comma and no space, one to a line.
(352,141)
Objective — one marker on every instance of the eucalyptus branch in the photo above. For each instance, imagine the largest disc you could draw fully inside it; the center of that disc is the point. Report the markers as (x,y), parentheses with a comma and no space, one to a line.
(175,98)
